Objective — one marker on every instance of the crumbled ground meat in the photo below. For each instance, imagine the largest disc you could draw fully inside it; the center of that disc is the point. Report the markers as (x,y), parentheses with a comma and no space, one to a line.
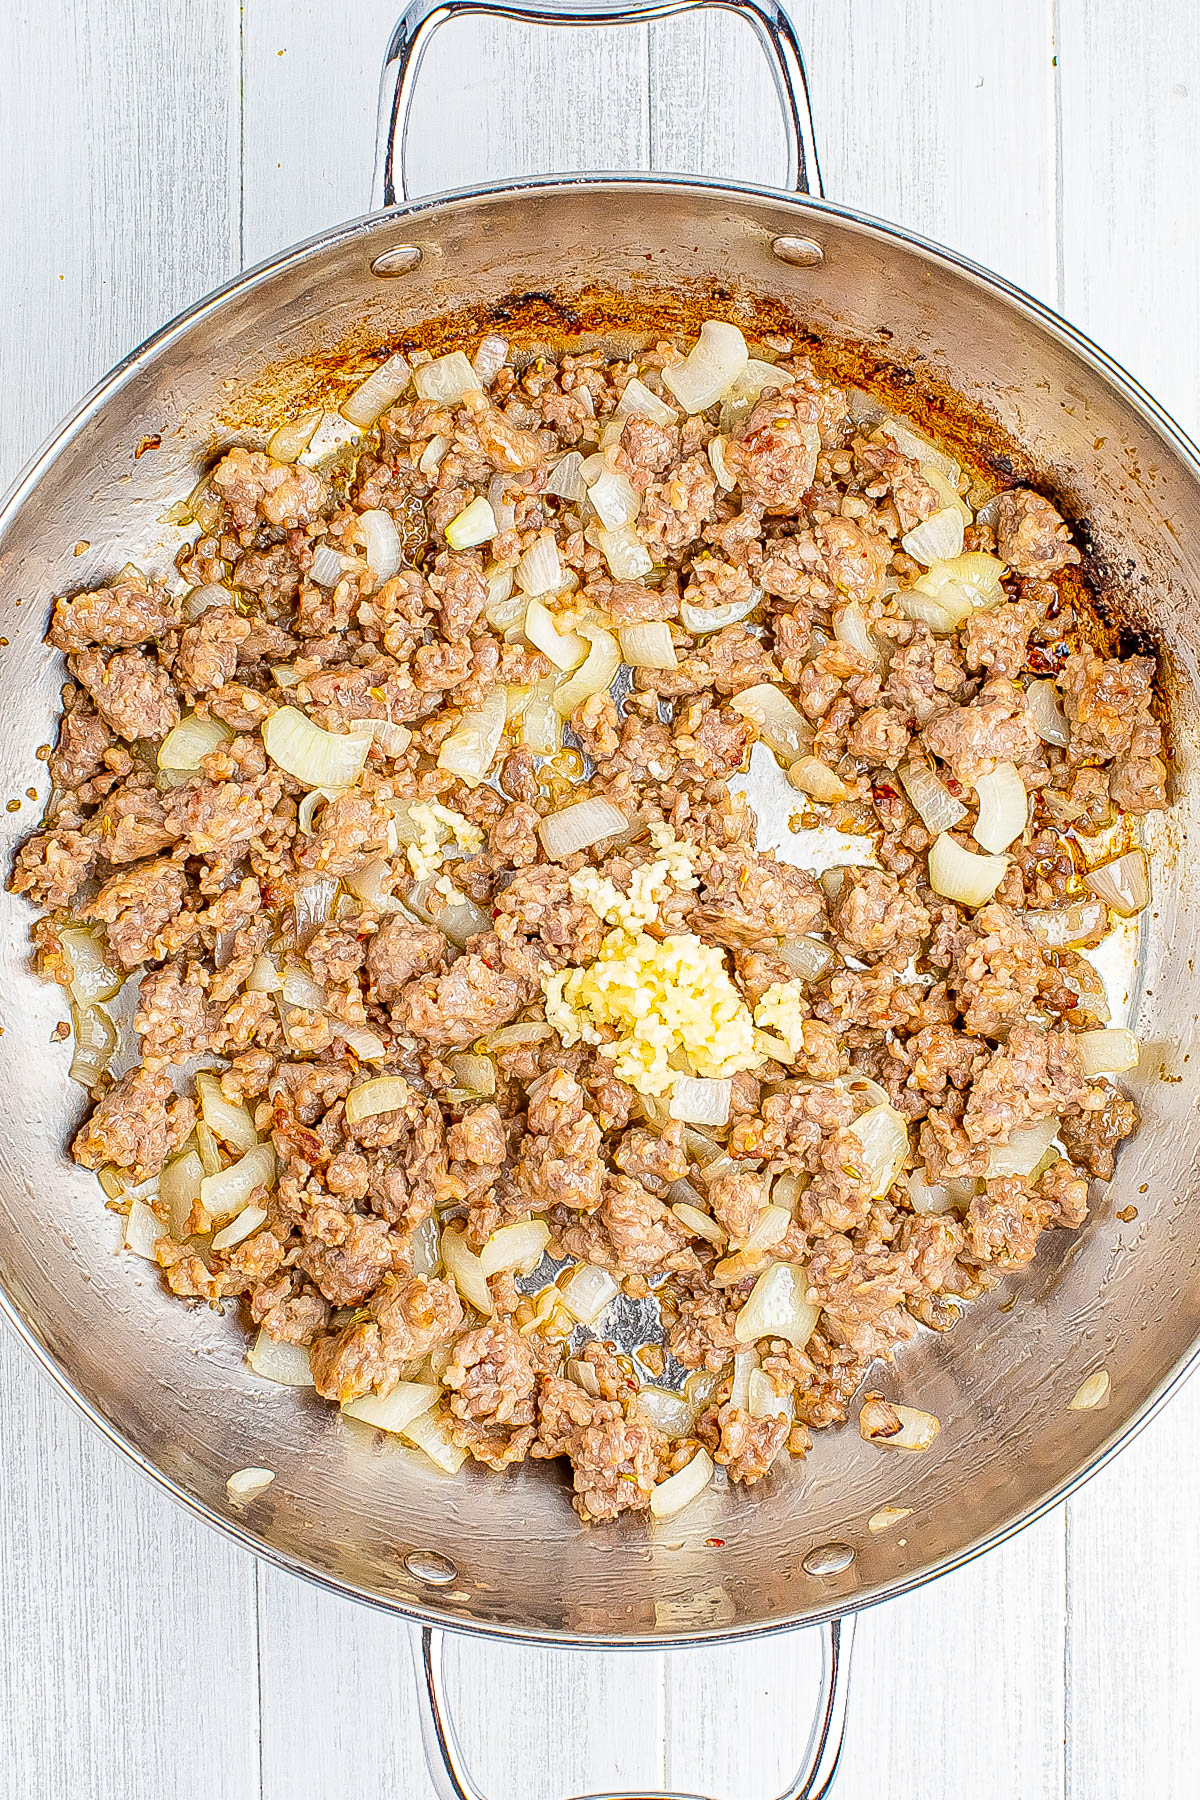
(412,1079)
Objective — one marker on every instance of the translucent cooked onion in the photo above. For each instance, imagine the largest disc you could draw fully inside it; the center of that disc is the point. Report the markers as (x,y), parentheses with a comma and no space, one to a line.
(946,493)
(490,358)
(206,1145)
(1003,808)
(185,748)
(532,1031)
(328,566)
(394,1411)
(1023,1151)
(884,1138)
(318,758)
(380,390)
(1049,720)
(476,1074)
(475,524)
(920,449)
(763,1399)
(243,1484)
(93,977)
(699,1100)
(975,573)
(1107,1052)
(299,989)
(777,1308)
(587,1292)
(142,1230)
(382,1094)
(717,447)
(565,480)
(648,645)
(627,557)
(465,1270)
(896,1427)
(780,724)
(595,673)
(565,649)
(179,1190)
(282,1362)
(744,1361)
(372,885)
(679,1490)
(244,1225)
(616,500)
(701,619)
(540,569)
(227,1192)
(381,541)
(811,776)
(541,726)
(938,809)
(367,1045)
(314,903)
(95,1041)
(713,364)
(580,825)
(201,598)
(392,739)
(470,750)
(960,875)
(428,1433)
(639,402)
(431,457)
(672,1413)
(291,440)
(695,1220)
(1059,926)
(519,1247)
(742,397)
(447,379)
(458,919)
(807,955)
(937,538)
(943,615)
(1123,884)
(850,627)
(928,1196)
(232,1124)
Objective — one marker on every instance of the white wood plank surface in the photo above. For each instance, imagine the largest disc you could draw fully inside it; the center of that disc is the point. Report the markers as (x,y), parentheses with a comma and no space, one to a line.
(146,150)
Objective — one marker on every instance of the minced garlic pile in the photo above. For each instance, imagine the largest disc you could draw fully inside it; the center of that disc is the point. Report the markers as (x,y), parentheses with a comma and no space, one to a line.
(439,827)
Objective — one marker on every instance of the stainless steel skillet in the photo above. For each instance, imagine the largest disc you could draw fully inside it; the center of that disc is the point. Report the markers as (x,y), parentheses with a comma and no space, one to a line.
(611,258)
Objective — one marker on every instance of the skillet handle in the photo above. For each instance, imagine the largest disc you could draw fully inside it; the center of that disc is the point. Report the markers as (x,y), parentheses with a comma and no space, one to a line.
(812,1781)
(421,19)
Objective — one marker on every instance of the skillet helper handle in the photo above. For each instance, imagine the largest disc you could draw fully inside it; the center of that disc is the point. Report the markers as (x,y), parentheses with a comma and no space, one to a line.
(421,19)
(812,1781)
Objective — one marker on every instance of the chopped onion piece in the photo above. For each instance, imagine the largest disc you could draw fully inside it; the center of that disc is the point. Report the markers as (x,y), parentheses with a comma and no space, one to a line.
(780,724)
(1059,926)
(201,598)
(320,759)
(812,776)
(716,457)
(143,1228)
(396,1410)
(227,1192)
(1023,1151)
(700,619)
(594,675)
(648,645)
(938,809)
(179,1190)
(698,1223)
(243,1484)
(475,524)
(368,1046)
(465,1270)
(190,742)
(587,1291)
(713,364)
(475,1073)
(447,379)
(740,400)
(289,441)
(1107,1052)
(382,543)
(616,500)
(580,825)
(850,627)
(299,989)
(1123,884)
(884,1138)
(95,1038)
(639,402)
(1003,808)
(380,390)
(242,1226)
(679,1490)
(763,1399)
(887,1516)
(937,538)
(519,1247)
(671,1412)
(565,480)
(541,726)
(431,456)
(428,1433)
(896,1427)
(92,978)
(328,566)
(490,358)
(946,492)
(627,557)
(392,739)
(372,885)
(232,1124)
(960,875)
(928,1196)
(383,1093)
(807,955)
(565,649)
(206,1143)
(777,1308)
(282,1362)
(540,569)
(699,1100)
(911,443)
(1049,720)
(944,614)
(1092,1393)
(471,748)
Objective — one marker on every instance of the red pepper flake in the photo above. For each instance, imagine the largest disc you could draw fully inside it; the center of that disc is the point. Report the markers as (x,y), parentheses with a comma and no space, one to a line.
(714,1543)
(148,443)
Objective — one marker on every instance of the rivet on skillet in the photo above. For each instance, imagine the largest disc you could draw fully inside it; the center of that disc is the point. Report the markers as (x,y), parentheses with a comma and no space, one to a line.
(828,1559)
(430,1567)
(805,253)
(400,261)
